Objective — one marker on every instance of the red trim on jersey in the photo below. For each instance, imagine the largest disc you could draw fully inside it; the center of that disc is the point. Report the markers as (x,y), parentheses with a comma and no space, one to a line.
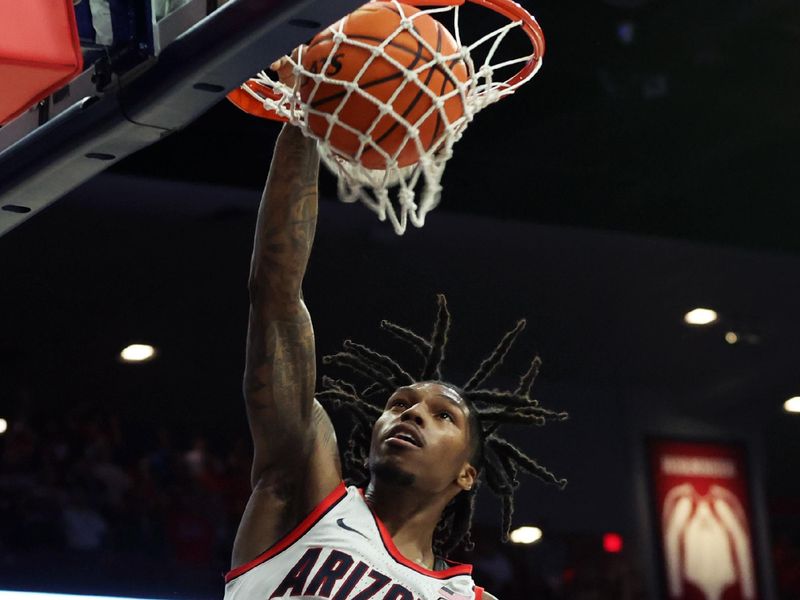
(478,592)
(457,569)
(295,534)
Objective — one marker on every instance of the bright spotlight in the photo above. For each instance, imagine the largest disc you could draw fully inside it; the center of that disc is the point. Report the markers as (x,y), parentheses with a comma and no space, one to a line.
(3,426)
(792,405)
(137,353)
(526,535)
(700,316)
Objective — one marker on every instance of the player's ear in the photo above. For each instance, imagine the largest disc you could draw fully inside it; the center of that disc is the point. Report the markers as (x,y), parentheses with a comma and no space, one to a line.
(467,477)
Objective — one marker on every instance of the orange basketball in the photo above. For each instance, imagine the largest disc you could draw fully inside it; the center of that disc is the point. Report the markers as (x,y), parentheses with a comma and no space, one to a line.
(372,24)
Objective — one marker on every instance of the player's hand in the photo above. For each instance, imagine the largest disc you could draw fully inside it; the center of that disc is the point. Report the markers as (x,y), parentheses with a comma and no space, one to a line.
(285,68)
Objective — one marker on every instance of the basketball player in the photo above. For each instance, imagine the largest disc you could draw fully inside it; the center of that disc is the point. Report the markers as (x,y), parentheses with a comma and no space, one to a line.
(304,534)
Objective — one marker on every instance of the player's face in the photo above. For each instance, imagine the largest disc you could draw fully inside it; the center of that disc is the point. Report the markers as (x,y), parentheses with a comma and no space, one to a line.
(423,439)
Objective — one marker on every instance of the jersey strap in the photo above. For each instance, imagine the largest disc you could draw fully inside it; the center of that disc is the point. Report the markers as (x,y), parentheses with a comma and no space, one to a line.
(295,534)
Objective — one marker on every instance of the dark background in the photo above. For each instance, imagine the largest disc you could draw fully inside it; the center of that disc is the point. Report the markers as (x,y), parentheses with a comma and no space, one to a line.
(628,183)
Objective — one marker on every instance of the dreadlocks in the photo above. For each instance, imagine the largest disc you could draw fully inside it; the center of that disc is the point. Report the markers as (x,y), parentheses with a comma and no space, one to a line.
(497,460)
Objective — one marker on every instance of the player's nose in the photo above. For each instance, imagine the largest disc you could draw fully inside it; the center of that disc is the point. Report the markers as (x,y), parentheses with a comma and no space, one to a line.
(415,414)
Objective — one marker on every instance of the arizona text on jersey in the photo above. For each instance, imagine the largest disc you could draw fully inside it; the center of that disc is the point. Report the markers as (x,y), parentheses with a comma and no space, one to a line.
(342,551)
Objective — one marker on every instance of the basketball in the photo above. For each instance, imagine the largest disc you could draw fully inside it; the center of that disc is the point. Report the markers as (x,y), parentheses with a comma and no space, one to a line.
(372,25)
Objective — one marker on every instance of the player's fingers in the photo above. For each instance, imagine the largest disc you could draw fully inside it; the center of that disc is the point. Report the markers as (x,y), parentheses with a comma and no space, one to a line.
(284,61)
(296,52)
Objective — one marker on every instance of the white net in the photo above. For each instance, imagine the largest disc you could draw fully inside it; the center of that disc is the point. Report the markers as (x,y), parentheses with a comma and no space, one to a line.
(396,191)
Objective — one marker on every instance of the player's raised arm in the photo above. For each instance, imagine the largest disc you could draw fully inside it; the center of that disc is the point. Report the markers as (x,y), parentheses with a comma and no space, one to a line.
(295,461)
(280,368)
(294,443)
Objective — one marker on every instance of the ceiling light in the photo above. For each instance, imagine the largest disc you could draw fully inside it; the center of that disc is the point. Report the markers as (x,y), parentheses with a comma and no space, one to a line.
(792,405)
(731,337)
(137,353)
(526,535)
(700,316)
(3,426)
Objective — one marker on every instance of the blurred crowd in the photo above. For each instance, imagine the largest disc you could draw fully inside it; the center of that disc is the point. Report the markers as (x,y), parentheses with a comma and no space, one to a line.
(90,489)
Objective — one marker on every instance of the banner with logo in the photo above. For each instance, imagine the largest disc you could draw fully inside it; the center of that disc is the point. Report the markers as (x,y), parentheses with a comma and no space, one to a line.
(703,510)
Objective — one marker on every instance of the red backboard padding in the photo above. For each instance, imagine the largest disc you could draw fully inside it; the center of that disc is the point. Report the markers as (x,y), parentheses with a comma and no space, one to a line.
(39,52)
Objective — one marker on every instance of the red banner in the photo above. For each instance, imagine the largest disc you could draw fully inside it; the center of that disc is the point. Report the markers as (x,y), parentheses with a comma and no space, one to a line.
(702,507)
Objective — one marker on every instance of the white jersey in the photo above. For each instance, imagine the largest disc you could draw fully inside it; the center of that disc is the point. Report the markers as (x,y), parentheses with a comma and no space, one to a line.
(342,551)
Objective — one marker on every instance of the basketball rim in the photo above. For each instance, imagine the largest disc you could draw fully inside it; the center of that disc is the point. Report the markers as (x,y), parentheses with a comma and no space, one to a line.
(250,96)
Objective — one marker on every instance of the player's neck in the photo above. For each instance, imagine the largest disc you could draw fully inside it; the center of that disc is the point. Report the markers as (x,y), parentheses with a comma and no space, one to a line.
(409,517)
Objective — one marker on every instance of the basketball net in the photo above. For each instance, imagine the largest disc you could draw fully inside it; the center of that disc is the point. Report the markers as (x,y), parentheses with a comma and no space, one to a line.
(402,194)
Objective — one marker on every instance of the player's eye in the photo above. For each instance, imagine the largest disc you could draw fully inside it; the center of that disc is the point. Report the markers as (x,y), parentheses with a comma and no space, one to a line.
(399,403)
(447,416)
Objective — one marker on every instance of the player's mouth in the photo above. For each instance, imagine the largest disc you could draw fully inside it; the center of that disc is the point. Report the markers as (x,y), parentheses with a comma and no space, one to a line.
(401,442)
(404,436)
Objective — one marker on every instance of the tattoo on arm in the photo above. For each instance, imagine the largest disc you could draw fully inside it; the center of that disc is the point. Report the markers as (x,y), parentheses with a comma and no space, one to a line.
(286,222)
(280,370)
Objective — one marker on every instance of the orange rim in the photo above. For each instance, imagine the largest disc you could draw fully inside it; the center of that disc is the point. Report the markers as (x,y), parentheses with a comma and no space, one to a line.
(513,12)
(246,102)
